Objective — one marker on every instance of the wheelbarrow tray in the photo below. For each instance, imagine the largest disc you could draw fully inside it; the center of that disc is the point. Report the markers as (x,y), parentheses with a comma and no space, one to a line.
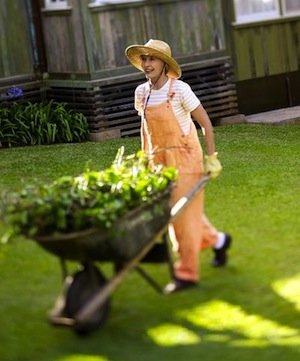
(121,242)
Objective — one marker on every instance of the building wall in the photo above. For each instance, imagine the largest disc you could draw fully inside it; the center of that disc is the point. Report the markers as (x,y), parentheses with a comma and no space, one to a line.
(91,40)
(267,48)
(266,61)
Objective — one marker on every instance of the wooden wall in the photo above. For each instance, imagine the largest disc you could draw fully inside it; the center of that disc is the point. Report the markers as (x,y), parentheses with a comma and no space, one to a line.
(266,61)
(19,53)
(64,39)
(16,56)
(92,40)
(266,48)
(88,68)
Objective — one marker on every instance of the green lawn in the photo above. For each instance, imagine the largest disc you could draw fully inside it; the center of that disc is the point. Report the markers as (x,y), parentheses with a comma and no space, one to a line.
(248,311)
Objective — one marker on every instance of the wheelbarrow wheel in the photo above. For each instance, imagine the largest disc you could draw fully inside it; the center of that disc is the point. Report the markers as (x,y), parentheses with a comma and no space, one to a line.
(86,283)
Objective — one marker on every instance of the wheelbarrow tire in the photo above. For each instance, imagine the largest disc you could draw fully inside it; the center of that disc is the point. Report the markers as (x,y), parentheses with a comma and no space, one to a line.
(86,283)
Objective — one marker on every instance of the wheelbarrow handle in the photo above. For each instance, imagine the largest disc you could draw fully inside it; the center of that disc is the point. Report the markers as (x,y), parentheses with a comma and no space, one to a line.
(183,201)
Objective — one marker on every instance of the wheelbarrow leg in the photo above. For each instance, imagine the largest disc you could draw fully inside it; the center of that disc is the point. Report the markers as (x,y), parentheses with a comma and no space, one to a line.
(169,255)
(169,260)
(77,290)
(64,269)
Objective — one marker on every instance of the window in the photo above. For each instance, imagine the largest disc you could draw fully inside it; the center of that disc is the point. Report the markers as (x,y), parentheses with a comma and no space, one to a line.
(255,10)
(56,4)
(112,2)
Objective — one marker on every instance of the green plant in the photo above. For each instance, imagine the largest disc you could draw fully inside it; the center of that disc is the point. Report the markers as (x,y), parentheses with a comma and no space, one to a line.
(41,123)
(92,199)
(7,129)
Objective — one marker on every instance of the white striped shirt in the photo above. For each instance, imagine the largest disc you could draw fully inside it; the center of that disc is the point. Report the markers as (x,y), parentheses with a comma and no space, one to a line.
(183,102)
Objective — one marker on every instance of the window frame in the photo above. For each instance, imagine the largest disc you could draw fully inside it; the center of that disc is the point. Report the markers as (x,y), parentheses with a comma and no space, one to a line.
(57,5)
(279,13)
(94,3)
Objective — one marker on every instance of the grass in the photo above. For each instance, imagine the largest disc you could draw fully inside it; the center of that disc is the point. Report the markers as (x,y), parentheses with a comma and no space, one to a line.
(250,310)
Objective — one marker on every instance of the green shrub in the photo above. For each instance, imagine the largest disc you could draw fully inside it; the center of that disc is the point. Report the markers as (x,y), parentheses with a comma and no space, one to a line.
(41,123)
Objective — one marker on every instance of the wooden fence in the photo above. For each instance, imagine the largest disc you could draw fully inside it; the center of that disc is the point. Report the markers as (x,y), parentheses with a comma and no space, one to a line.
(267,48)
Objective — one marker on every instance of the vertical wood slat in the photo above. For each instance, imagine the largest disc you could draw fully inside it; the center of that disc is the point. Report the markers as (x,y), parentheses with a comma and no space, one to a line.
(4,63)
(275,49)
(291,49)
(79,41)
(295,34)
(58,43)
(15,47)
(257,52)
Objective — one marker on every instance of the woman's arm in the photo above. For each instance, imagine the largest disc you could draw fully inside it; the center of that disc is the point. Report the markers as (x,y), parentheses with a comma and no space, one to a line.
(212,165)
(202,118)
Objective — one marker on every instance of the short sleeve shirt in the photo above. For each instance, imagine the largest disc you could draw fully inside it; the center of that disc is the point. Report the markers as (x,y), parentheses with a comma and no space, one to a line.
(184,100)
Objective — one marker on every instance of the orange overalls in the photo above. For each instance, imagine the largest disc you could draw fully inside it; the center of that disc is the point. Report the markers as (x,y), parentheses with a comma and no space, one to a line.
(172,148)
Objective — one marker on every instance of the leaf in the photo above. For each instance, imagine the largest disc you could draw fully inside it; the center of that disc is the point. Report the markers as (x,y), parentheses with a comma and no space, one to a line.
(44,123)
(94,198)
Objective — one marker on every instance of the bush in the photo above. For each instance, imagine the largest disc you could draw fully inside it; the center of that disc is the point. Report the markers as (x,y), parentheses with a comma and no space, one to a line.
(41,123)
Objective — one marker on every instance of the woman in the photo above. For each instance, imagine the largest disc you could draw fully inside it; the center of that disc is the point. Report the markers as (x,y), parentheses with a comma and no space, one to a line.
(166,106)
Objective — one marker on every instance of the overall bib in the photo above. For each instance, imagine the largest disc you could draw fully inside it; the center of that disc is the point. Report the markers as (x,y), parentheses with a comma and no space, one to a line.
(162,134)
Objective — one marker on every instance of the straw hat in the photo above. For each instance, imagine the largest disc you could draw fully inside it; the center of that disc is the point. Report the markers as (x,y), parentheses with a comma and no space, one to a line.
(157,48)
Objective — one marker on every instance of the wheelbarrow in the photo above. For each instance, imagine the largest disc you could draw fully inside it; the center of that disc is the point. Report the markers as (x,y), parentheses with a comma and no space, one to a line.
(140,236)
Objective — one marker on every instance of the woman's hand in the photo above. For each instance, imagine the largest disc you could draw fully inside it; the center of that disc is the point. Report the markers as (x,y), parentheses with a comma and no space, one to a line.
(212,165)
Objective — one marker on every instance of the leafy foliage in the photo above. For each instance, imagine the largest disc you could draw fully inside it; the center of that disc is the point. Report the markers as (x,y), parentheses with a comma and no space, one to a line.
(41,123)
(94,198)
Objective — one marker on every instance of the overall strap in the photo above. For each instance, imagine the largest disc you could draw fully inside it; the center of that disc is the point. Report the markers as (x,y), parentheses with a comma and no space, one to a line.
(146,95)
(145,135)
(171,93)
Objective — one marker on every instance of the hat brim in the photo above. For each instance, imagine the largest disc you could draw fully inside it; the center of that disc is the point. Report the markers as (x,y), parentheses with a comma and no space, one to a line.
(134,53)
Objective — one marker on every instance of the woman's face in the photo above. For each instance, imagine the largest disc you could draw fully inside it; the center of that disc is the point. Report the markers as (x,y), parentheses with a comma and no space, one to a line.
(152,66)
